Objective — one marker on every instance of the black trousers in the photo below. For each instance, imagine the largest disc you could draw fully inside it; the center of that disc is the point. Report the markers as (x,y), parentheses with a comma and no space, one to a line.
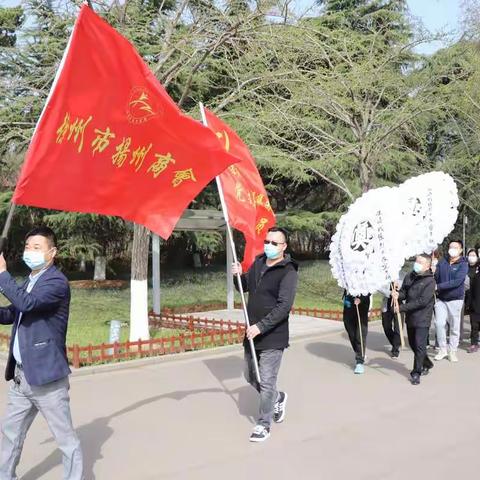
(350,320)
(418,339)
(475,322)
(391,329)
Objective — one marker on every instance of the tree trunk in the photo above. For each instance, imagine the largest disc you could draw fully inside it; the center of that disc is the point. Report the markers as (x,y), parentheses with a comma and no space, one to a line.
(139,285)
(82,266)
(365,177)
(100,272)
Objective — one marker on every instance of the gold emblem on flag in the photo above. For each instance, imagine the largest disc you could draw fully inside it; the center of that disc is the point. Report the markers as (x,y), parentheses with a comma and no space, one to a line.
(224,136)
(140,106)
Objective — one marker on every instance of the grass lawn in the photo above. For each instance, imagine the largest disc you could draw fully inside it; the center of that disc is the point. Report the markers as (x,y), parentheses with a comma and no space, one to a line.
(91,310)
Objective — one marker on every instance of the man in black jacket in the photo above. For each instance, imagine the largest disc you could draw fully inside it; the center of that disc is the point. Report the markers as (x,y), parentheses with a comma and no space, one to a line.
(418,293)
(271,283)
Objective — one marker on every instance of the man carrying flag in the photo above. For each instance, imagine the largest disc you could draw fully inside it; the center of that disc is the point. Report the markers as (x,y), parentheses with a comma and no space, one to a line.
(271,282)
(37,360)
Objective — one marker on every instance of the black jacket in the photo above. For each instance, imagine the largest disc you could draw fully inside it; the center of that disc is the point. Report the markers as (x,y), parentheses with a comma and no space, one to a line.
(472,270)
(418,292)
(270,300)
(474,297)
(349,308)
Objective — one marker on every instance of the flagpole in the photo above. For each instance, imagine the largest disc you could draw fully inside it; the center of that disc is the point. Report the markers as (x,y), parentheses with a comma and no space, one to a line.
(398,316)
(6,228)
(235,258)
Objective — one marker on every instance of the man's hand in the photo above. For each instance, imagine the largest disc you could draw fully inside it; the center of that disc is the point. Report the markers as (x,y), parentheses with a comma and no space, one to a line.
(236,268)
(357,301)
(3,264)
(394,295)
(252,332)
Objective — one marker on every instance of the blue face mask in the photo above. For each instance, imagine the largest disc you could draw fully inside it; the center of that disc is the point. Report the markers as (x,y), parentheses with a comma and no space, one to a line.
(417,268)
(35,260)
(271,251)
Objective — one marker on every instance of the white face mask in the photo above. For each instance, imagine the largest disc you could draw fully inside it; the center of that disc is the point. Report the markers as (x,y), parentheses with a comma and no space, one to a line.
(472,259)
(454,252)
(35,260)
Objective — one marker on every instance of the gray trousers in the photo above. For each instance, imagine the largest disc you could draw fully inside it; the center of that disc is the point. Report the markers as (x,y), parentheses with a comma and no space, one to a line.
(53,402)
(268,363)
(451,313)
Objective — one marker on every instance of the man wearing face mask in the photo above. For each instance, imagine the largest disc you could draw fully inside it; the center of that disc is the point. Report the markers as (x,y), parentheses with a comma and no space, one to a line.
(37,361)
(271,283)
(450,278)
(418,293)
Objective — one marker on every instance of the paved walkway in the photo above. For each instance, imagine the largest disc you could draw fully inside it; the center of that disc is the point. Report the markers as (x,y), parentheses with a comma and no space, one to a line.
(300,325)
(190,420)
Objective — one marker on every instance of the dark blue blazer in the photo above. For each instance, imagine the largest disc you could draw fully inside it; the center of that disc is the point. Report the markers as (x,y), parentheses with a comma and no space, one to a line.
(43,327)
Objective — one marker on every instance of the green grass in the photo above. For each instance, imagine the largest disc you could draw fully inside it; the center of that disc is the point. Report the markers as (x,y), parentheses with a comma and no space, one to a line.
(91,310)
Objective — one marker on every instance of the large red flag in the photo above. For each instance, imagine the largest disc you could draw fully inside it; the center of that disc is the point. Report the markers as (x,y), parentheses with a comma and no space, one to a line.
(110,140)
(249,209)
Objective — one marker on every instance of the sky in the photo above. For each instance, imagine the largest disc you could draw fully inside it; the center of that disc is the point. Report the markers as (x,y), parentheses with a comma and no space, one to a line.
(436,15)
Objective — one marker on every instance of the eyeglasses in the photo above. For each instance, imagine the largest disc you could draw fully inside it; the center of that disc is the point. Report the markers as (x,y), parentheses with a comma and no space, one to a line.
(275,244)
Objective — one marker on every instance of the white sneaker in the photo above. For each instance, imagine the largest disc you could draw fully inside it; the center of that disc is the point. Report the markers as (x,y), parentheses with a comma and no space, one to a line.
(259,434)
(441,355)
(452,356)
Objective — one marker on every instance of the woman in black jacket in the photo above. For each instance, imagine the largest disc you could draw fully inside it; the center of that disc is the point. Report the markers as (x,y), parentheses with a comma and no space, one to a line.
(474,309)
(418,295)
(472,258)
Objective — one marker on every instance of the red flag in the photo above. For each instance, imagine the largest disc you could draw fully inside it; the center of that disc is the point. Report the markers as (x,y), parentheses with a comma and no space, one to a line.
(248,206)
(111,140)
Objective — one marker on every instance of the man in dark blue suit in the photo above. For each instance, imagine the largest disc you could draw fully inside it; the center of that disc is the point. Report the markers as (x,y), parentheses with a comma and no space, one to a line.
(37,359)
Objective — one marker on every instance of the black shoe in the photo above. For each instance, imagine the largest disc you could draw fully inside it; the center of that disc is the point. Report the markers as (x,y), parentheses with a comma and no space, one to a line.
(395,353)
(280,408)
(259,434)
(415,379)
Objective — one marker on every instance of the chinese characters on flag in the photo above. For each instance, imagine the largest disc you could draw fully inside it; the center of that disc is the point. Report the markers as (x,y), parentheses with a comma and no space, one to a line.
(249,209)
(112,141)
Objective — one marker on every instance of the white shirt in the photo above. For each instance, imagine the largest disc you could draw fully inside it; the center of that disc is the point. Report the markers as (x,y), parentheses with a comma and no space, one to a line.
(16,347)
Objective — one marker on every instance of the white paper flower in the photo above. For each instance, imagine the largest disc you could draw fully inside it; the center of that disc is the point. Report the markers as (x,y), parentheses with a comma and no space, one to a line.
(387,225)
(366,251)
(429,211)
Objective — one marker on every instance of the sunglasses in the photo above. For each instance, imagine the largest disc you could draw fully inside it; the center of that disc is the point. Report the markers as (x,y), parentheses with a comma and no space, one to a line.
(275,244)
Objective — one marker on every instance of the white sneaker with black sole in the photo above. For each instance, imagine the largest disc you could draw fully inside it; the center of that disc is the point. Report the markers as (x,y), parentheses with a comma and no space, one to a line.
(259,434)
(280,407)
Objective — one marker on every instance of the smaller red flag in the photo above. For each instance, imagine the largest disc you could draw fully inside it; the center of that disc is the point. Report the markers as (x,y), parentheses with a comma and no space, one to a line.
(249,208)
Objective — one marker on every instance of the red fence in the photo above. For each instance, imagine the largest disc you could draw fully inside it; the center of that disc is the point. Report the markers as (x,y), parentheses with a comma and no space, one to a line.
(172,320)
(4,339)
(311,312)
(80,356)
(330,314)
